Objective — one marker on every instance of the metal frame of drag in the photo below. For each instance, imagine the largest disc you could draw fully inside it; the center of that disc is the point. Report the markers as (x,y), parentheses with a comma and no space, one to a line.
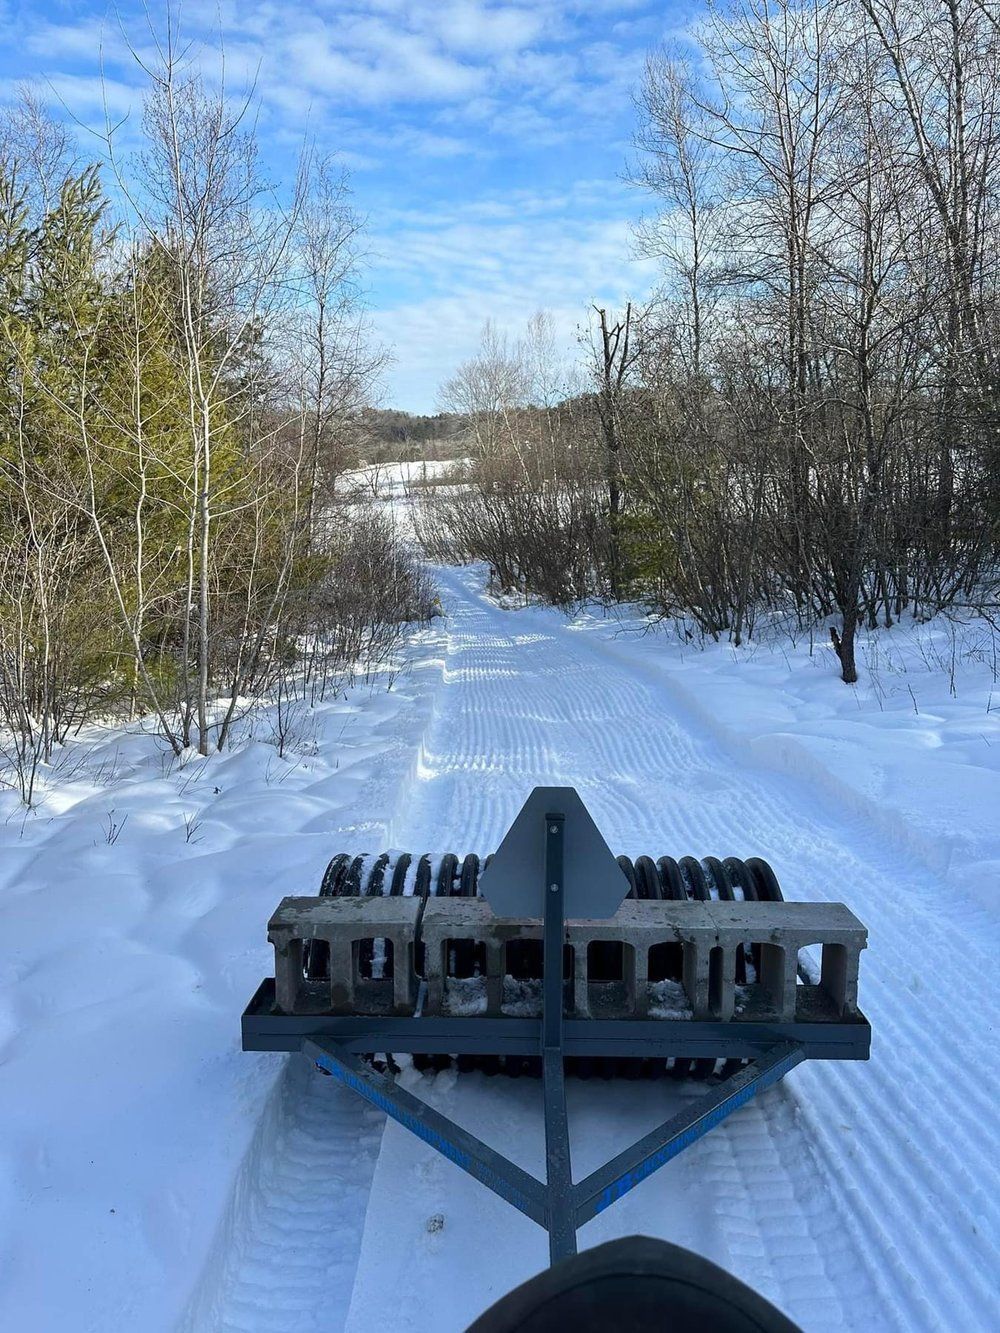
(554,866)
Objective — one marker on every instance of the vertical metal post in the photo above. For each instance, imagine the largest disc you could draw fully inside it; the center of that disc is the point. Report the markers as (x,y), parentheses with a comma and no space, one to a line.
(558,1171)
(552,934)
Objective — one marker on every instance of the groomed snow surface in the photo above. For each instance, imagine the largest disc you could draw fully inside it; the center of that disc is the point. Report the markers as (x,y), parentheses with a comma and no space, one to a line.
(153,1177)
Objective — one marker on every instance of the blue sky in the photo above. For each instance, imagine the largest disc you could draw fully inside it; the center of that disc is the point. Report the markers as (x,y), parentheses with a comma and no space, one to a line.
(486,141)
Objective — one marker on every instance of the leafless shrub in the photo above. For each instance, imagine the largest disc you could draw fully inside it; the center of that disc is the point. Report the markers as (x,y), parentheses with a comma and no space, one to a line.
(113,827)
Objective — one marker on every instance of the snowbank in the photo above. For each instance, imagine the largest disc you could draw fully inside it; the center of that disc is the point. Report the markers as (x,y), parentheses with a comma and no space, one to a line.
(914,747)
(133,911)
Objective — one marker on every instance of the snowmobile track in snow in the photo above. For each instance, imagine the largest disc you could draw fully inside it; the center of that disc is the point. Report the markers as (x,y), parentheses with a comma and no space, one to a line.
(854,1196)
(290,1245)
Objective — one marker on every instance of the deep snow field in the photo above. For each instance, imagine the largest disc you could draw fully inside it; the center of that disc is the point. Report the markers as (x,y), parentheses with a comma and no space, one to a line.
(153,1177)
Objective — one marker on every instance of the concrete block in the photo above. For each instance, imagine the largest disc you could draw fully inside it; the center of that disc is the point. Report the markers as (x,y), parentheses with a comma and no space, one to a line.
(709,934)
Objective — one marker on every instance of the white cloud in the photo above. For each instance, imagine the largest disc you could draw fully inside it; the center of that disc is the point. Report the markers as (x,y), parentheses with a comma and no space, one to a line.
(85,97)
(469,26)
(371,62)
(80,40)
(517,69)
(504,259)
(444,84)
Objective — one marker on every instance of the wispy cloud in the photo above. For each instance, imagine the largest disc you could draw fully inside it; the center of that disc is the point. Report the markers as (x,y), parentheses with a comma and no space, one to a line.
(486,137)
(503,258)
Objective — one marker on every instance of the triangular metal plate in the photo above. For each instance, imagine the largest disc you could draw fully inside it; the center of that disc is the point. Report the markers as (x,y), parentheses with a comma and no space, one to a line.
(514,884)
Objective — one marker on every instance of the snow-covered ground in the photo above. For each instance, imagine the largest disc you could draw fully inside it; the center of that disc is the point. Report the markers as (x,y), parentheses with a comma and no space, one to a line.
(152,1177)
(133,910)
(914,747)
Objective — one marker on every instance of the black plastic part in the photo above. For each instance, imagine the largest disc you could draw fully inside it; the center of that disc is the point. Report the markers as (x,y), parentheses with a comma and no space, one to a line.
(376,876)
(694,877)
(665,878)
(647,879)
(469,878)
(634,1285)
(447,881)
(330,884)
(399,875)
(742,878)
(422,886)
(718,877)
(350,885)
(628,870)
(768,888)
(671,879)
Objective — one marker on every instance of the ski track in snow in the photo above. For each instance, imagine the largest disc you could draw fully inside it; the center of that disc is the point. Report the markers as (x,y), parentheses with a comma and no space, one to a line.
(289,1247)
(858,1196)
(286,1251)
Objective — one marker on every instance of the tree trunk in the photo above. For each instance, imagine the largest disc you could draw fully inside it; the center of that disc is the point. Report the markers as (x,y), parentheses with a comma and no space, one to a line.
(843,643)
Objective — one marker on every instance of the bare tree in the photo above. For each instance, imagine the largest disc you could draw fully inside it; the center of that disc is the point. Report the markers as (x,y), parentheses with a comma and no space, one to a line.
(838,439)
(223,239)
(488,389)
(616,355)
(679,165)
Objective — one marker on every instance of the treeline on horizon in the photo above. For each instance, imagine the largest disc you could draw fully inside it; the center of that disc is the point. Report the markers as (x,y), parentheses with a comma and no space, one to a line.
(806,417)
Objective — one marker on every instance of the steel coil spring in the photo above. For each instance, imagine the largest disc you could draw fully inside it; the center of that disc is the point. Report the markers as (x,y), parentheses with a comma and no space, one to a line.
(447,876)
(663,878)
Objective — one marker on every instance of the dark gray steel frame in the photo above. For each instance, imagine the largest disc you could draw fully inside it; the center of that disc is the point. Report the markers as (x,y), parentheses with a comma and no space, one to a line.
(558,1205)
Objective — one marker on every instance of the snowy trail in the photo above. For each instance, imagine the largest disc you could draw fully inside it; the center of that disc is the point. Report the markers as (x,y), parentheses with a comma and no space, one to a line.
(854,1196)
(837,1187)
(286,1251)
